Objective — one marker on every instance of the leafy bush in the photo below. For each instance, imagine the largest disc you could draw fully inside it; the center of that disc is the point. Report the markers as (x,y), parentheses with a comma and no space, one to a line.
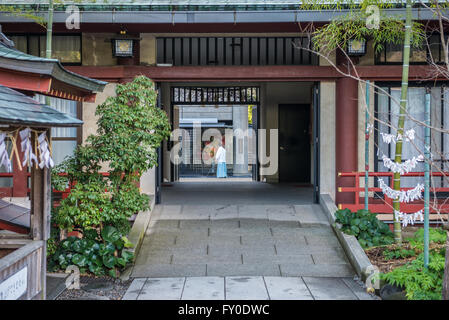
(398,254)
(365,226)
(99,255)
(130,129)
(436,235)
(419,283)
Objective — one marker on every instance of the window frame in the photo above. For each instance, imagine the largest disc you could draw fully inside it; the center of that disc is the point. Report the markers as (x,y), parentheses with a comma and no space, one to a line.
(412,84)
(28,35)
(384,53)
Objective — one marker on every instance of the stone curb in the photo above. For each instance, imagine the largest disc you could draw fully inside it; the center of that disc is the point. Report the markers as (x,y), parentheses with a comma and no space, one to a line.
(139,227)
(351,246)
(137,234)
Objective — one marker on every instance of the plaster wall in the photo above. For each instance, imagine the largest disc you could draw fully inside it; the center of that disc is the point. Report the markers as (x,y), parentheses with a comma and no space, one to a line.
(327,138)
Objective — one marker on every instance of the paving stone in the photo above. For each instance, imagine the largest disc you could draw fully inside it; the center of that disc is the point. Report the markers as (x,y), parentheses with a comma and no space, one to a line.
(247,224)
(287,288)
(165,224)
(339,258)
(305,259)
(288,249)
(206,259)
(165,258)
(252,211)
(134,289)
(246,288)
(225,212)
(256,240)
(195,224)
(356,289)
(294,240)
(240,231)
(203,288)
(329,289)
(279,209)
(225,224)
(192,250)
(317,270)
(264,269)
(191,239)
(162,289)
(224,240)
(311,215)
(279,231)
(167,209)
(168,270)
(322,240)
(283,217)
(289,225)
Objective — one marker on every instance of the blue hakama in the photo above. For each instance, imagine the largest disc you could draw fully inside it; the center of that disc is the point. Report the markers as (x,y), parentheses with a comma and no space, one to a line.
(221,170)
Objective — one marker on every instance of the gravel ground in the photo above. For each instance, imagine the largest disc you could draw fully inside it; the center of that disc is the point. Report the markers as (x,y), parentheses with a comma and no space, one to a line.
(97,288)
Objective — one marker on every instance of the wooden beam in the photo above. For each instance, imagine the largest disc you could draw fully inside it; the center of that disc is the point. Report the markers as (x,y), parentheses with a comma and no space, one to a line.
(22,81)
(248,73)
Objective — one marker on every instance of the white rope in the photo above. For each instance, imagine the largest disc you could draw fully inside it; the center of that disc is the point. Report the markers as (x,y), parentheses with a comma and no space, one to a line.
(408,218)
(402,196)
(29,156)
(393,138)
(4,157)
(44,152)
(404,167)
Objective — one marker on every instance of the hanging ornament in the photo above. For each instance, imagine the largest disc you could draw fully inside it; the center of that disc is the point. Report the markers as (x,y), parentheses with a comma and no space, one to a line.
(4,157)
(29,156)
(402,196)
(408,218)
(44,152)
(404,167)
(393,138)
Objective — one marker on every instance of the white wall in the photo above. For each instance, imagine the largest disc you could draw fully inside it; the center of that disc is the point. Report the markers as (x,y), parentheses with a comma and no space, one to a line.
(327,138)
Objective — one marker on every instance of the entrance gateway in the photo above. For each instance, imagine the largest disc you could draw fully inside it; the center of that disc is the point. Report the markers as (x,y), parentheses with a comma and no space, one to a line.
(196,101)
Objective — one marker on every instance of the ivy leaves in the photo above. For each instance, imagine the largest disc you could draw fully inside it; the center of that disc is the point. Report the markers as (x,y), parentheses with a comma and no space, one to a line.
(365,226)
(98,256)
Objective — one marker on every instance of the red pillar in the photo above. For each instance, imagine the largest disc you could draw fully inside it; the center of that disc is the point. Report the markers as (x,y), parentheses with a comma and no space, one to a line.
(346,135)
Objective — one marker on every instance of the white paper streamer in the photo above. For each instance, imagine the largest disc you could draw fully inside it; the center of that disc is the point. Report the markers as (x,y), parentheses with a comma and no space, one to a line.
(29,156)
(393,138)
(44,152)
(402,196)
(409,218)
(404,167)
(4,157)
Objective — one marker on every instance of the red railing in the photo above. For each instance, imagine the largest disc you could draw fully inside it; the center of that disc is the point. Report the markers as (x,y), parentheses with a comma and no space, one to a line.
(9,191)
(384,205)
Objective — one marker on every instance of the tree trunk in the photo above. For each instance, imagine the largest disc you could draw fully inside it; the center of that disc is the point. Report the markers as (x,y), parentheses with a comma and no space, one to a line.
(402,112)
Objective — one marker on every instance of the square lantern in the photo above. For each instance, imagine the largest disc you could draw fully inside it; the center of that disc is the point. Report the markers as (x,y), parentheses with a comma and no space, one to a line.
(356,47)
(122,47)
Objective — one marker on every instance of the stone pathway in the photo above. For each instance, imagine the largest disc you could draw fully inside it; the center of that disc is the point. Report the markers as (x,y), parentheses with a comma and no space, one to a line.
(245,288)
(234,251)
(240,240)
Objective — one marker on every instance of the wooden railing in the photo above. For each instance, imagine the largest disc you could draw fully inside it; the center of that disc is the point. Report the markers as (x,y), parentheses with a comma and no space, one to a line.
(24,269)
(384,205)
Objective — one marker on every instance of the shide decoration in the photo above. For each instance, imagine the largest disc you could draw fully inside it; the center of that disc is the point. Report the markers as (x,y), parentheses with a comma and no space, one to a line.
(38,153)
(402,168)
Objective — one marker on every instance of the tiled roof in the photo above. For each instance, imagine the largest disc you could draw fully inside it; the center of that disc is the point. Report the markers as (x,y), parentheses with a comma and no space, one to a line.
(17,108)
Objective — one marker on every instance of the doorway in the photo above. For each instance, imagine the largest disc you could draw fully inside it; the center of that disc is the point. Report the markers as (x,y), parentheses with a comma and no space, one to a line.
(294,143)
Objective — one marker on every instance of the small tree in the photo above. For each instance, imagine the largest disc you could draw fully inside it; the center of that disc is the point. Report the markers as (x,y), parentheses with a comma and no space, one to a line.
(130,128)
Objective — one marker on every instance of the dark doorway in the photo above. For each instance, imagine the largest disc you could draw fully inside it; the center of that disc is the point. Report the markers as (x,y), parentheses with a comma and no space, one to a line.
(294,143)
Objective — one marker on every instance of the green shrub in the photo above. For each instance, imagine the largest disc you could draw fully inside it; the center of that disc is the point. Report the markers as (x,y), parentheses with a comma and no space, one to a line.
(398,254)
(98,254)
(419,283)
(436,235)
(365,226)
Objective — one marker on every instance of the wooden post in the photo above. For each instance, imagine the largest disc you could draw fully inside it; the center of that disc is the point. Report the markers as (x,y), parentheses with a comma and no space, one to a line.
(41,212)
